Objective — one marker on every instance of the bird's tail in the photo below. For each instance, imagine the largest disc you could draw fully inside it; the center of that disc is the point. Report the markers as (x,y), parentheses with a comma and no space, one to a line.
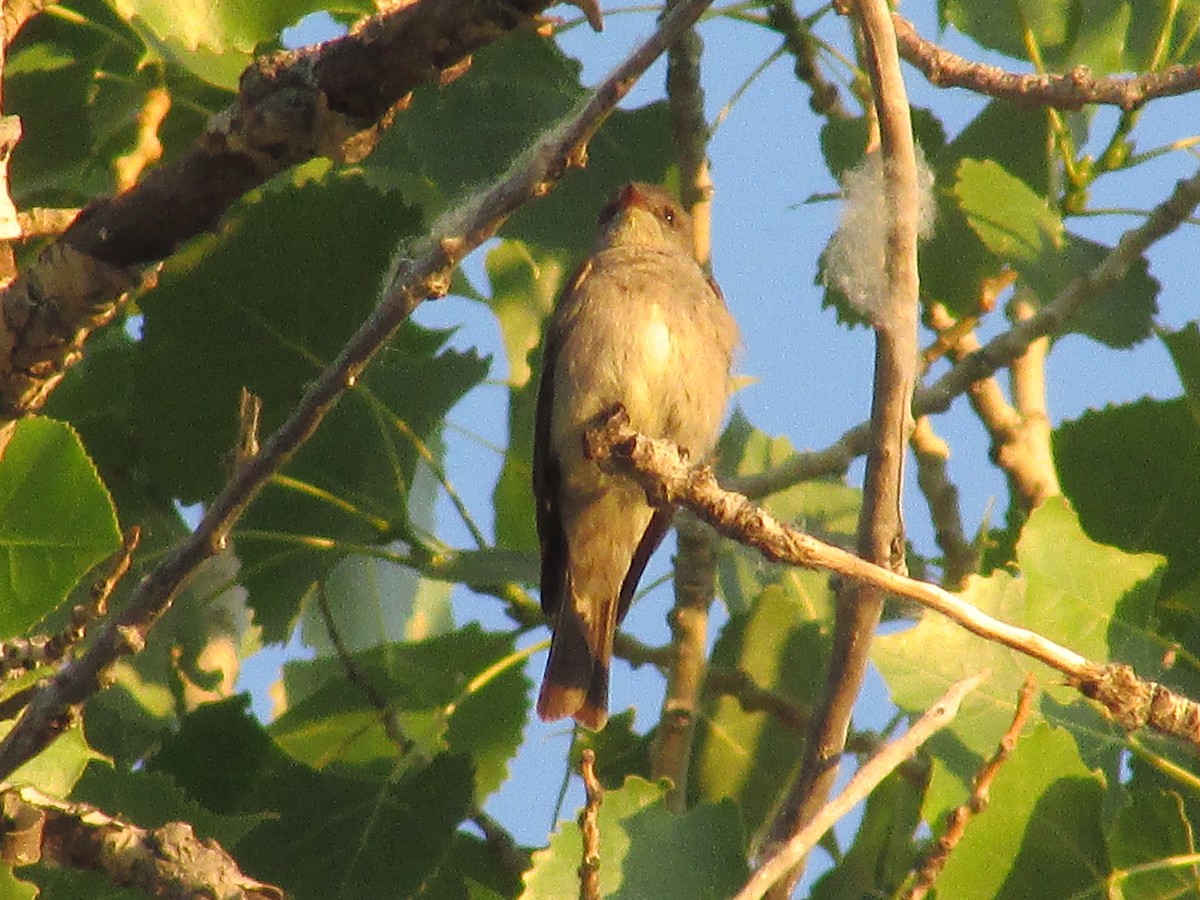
(576,679)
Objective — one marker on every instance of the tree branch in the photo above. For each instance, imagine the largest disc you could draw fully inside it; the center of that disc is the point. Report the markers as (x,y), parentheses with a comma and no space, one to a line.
(666,474)
(996,353)
(957,821)
(695,561)
(164,862)
(881,526)
(1070,90)
(333,99)
(775,869)
(413,280)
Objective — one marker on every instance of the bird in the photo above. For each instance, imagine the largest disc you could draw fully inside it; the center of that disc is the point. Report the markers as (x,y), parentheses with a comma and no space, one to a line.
(640,326)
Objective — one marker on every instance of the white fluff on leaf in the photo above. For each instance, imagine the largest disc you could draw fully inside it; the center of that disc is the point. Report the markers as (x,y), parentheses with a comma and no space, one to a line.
(854,259)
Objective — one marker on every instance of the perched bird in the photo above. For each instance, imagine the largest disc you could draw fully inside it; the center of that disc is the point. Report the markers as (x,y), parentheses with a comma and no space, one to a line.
(640,325)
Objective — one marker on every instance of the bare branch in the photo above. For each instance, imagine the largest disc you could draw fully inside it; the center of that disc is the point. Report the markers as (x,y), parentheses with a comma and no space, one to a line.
(426,274)
(164,862)
(878,767)
(589,825)
(1070,90)
(960,556)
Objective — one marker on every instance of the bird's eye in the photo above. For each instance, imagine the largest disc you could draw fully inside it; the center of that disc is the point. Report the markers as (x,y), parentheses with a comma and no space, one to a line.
(668,215)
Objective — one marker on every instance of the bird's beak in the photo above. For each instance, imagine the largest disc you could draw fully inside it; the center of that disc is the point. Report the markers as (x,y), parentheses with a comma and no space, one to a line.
(631,197)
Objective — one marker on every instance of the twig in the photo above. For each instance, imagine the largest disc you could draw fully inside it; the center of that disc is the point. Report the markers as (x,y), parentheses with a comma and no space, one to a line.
(998,352)
(1070,90)
(19,655)
(589,825)
(880,528)
(751,697)
(865,780)
(428,274)
(960,557)
(387,714)
(667,475)
(695,580)
(956,822)
(164,862)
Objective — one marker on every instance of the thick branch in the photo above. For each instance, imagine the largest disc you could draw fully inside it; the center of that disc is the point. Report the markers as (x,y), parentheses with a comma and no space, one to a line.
(881,527)
(1069,90)
(427,274)
(333,99)
(164,862)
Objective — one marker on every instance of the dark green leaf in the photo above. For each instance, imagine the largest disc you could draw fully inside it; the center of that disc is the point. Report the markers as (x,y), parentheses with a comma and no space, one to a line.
(646,851)
(529,74)
(1184,346)
(463,692)
(325,835)
(748,756)
(1130,471)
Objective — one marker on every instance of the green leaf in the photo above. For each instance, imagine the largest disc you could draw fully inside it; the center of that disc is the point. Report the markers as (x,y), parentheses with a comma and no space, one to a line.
(56,769)
(1130,471)
(473,870)
(1014,222)
(215,41)
(524,282)
(267,304)
(1145,844)
(151,799)
(527,73)
(1118,316)
(646,851)
(325,834)
(1000,26)
(13,888)
(1040,833)
(1092,598)
(56,521)
(749,756)
(463,692)
(883,851)
(1184,347)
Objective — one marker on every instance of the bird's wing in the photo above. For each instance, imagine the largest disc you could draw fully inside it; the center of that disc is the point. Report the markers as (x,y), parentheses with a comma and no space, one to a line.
(547,472)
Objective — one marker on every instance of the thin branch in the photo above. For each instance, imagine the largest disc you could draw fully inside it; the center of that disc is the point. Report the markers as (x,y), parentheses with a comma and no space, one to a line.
(589,826)
(957,821)
(880,539)
(20,655)
(427,274)
(1069,90)
(164,862)
(996,353)
(696,560)
(668,477)
(865,780)
(960,557)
